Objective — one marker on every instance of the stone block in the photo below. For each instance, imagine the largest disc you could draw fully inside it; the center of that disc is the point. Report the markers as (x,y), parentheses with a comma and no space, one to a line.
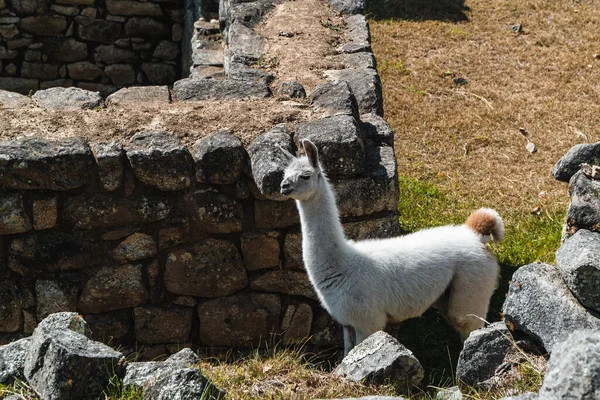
(8,55)
(139,97)
(110,54)
(162,325)
(365,85)
(109,158)
(569,164)
(160,160)
(242,320)
(120,74)
(334,98)
(357,28)
(347,7)
(77,2)
(215,212)
(295,283)
(110,326)
(269,155)
(137,246)
(166,50)
(102,88)
(247,44)
(341,148)
(296,324)
(275,214)
(44,25)
(212,268)
(133,8)
(159,73)
(11,319)
(362,60)
(208,89)
(291,89)
(71,98)
(146,28)
(65,49)
(13,218)
(84,70)
(39,70)
(12,361)
(54,296)
(65,10)
(172,236)
(12,100)
(19,85)
(65,83)
(292,250)
(27,6)
(97,30)
(384,227)
(9,32)
(260,250)
(584,210)
(376,130)
(219,158)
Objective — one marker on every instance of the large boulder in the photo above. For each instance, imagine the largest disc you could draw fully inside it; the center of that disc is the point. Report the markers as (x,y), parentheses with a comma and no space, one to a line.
(381,357)
(333,98)
(12,360)
(578,261)
(584,210)
(62,363)
(366,86)
(569,164)
(541,305)
(573,371)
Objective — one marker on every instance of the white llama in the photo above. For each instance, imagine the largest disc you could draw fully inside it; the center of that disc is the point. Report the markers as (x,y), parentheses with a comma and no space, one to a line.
(365,284)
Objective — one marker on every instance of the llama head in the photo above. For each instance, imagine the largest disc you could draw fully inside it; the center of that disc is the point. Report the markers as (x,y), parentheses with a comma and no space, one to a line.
(301,176)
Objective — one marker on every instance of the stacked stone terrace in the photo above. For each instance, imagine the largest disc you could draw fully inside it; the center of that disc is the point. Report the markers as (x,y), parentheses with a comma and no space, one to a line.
(163,246)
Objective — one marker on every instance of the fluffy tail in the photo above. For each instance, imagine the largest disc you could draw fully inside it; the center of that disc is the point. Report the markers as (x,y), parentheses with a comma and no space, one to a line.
(486,222)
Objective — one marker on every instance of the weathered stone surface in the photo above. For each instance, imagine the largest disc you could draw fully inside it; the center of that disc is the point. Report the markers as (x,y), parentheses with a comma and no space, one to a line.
(362,60)
(19,85)
(209,89)
(50,252)
(540,304)
(39,70)
(9,31)
(65,49)
(110,54)
(365,85)
(242,320)
(292,250)
(28,6)
(91,212)
(207,57)
(159,73)
(212,268)
(275,214)
(523,396)
(141,374)
(376,190)
(347,7)
(71,98)
(65,83)
(136,247)
(584,210)
(215,212)
(45,213)
(102,88)
(97,30)
(139,97)
(12,360)
(147,28)
(357,28)
(110,326)
(54,296)
(569,164)
(172,236)
(166,50)
(296,323)
(120,74)
(483,352)
(246,43)
(7,55)
(59,350)
(341,148)
(160,160)
(376,130)
(248,13)
(260,250)
(65,10)
(325,331)
(113,288)
(10,100)
(44,25)
(269,155)
(183,383)
(573,371)
(219,158)
(284,281)
(385,227)
(291,89)
(334,98)
(162,325)
(133,8)
(241,72)
(578,261)
(10,311)
(13,218)
(84,70)
(77,2)
(109,158)
(381,357)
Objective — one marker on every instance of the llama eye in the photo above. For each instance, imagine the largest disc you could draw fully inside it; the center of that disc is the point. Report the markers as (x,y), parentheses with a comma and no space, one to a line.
(305,177)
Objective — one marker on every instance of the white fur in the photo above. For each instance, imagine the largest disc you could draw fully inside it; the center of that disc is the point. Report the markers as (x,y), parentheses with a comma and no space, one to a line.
(366,284)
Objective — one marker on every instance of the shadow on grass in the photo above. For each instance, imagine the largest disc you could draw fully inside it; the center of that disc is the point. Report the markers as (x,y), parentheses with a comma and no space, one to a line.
(418,10)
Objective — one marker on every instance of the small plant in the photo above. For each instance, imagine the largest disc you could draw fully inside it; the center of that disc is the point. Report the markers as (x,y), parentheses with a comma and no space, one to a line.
(268,61)
(329,24)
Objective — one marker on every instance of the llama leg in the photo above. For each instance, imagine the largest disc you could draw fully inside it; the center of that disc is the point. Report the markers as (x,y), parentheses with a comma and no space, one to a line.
(363,334)
(349,339)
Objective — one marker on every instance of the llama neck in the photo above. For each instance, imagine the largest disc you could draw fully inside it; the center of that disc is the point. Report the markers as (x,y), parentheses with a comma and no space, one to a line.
(323,239)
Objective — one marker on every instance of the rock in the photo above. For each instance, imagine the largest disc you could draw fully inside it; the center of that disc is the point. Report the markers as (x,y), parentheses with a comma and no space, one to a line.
(84,70)
(248,13)
(112,55)
(208,89)
(523,396)
(591,171)
(97,30)
(578,261)
(50,252)
(160,160)
(260,250)
(326,333)
(483,352)
(245,44)
(212,268)
(569,164)
(65,49)
(172,236)
(241,72)
(291,89)
(376,130)
(162,325)
(120,74)
(166,50)
(292,250)
(139,96)
(72,98)
(11,100)
(451,393)
(185,357)
(136,247)
(28,6)
(347,7)
(65,83)
(341,148)
(540,304)
(45,213)
(284,281)
(357,29)
(275,214)
(365,85)
(219,158)
(296,324)
(216,212)
(584,210)
(269,155)
(110,326)
(385,227)
(103,89)
(141,374)
(19,85)
(159,73)
(109,159)
(183,383)
(379,358)
(146,28)
(59,351)
(8,55)
(12,361)
(44,25)
(13,218)
(39,70)
(10,311)
(241,320)
(573,371)
(133,8)
(54,296)
(334,98)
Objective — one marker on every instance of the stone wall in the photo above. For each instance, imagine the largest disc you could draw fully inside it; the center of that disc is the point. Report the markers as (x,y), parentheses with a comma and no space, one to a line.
(98,45)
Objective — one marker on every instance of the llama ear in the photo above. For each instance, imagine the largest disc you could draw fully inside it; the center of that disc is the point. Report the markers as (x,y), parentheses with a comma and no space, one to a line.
(311,152)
